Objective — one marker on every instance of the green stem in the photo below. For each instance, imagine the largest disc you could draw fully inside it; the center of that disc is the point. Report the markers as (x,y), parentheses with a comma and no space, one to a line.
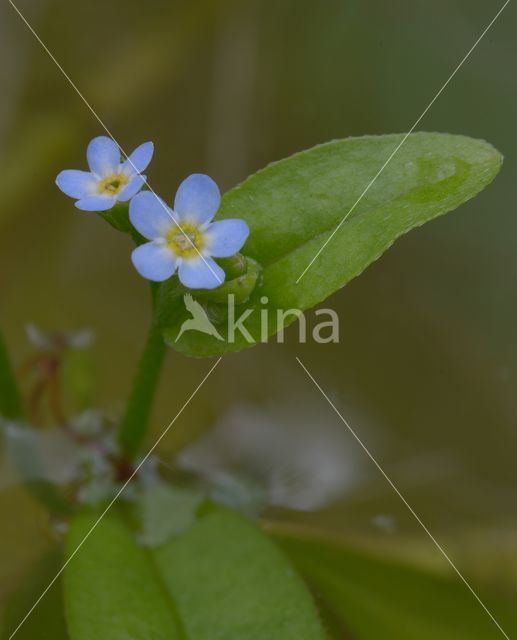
(134,422)
(10,402)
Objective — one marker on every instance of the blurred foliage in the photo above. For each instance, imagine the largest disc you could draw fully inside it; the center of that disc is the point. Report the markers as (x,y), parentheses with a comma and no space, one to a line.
(365,598)
(48,620)
(220,560)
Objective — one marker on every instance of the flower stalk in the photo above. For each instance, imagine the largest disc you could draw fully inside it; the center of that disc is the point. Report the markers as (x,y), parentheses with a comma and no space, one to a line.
(139,406)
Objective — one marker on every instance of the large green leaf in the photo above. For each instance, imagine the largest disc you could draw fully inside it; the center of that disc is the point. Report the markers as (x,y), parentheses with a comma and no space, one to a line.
(230,582)
(293,207)
(111,588)
(220,578)
(366,598)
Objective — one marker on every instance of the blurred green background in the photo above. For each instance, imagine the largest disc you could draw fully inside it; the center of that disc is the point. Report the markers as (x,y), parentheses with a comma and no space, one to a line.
(426,366)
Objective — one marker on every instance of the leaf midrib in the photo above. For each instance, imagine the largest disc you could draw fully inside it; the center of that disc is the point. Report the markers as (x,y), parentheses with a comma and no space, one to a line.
(180,627)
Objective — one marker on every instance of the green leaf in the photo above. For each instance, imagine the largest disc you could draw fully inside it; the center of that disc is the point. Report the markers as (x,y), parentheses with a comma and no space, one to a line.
(294,206)
(111,589)
(367,598)
(230,582)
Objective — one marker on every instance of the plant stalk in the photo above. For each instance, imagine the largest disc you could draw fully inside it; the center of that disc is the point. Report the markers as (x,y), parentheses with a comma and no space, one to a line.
(134,423)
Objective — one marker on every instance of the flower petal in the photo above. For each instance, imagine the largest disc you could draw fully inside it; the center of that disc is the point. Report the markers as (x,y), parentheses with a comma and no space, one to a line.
(201,273)
(226,237)
(139,160)
(197,198)
(132,187)
(103,156)
(77,184)
(96,203)
(154,261)
(150,215)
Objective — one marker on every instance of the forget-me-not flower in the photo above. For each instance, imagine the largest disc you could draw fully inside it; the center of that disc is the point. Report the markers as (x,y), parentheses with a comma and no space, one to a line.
(110,180)
(185,239)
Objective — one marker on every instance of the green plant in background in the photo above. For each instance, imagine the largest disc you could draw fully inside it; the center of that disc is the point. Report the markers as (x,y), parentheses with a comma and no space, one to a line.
(168,561)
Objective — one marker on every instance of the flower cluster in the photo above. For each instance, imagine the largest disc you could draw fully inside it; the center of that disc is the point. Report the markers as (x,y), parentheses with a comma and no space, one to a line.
(183,239)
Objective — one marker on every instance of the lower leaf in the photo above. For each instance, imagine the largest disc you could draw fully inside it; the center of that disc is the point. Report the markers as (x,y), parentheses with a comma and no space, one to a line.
(231,582)
(112,591)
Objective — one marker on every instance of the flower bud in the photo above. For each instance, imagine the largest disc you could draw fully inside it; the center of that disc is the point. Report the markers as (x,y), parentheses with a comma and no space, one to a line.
(241,286)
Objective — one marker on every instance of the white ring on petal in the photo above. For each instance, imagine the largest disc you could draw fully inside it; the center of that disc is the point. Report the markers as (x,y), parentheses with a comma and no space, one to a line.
(132,187)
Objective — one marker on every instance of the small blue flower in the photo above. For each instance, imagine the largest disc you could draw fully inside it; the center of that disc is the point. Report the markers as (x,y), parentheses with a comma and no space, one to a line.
(109,180)
(185,239)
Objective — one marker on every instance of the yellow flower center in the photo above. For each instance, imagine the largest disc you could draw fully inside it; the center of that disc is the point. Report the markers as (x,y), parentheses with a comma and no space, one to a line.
(185,242)
(112,185)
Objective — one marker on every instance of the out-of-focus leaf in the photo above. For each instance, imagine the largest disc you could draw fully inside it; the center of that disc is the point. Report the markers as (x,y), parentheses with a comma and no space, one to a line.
(366,598)
(111,589)
(294,206)
(78,378)
(47,621)
(163,511)
(21,445)
(230,582)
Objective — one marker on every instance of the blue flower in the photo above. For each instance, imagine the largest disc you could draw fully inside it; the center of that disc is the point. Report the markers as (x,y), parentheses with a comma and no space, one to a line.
(109,180)
(185,239)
